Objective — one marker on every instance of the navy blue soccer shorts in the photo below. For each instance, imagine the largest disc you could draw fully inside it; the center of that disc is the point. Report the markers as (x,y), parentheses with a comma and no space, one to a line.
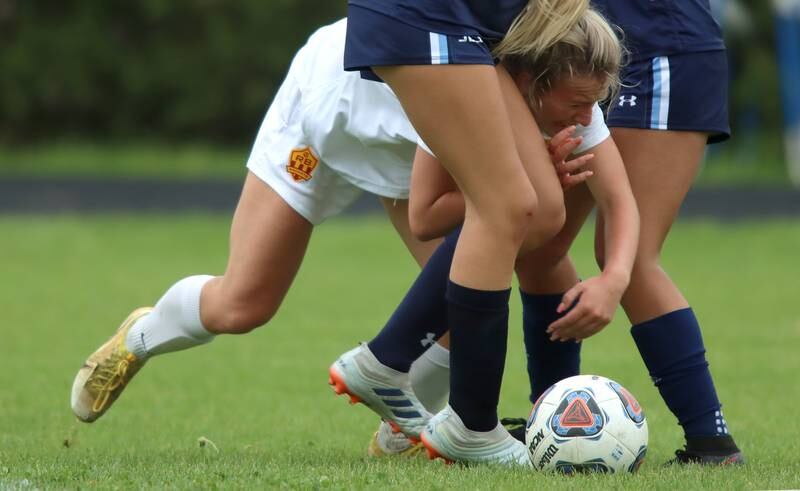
(374,39)
(684,92)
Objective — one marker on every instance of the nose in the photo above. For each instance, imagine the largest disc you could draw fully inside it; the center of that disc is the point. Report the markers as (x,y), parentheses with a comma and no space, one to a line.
(584,117)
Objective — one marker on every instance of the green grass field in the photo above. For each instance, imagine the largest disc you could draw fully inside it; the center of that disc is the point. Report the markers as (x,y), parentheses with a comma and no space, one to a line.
(263,400)
(758,161)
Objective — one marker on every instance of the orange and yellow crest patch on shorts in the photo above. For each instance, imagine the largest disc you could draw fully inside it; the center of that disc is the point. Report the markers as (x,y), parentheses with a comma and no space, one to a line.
(302,163)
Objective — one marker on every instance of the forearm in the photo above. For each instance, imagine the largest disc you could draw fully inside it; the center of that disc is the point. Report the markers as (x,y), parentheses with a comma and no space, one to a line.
(440,217)
(621,237)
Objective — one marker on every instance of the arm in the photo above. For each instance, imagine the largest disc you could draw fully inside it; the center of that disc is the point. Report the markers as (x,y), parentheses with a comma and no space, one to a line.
(598,297)
(615,202)
(435,205)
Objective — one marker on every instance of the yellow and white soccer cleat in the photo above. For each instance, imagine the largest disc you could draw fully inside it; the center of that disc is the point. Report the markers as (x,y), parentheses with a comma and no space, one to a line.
(106,372)
(387,443)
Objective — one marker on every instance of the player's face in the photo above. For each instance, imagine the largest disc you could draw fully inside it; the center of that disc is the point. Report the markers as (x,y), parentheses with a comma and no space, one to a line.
(570,102)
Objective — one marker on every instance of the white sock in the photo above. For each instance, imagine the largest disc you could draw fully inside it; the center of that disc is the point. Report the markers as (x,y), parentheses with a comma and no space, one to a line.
(430,377)
(174,324)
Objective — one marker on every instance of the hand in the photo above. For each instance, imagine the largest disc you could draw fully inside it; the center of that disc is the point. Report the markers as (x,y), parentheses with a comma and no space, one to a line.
(560,148)
(597,300)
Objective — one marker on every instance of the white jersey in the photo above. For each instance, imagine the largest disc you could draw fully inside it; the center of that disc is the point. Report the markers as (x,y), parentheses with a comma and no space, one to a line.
(594,134)
(329,134)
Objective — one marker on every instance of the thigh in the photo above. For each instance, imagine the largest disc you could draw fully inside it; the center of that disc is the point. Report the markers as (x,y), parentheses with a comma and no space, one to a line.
(459,112)
(536,162)
(462,116)
(268,240)
(661,167)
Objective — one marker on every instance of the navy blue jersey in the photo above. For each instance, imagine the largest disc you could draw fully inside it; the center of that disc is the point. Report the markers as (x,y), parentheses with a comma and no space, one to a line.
(490,20)
(663,27)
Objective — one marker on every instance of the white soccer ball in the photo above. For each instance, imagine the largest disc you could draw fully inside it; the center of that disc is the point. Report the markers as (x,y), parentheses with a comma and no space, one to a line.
(587,423)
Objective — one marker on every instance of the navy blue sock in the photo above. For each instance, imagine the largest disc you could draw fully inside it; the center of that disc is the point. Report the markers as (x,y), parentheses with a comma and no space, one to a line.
(548,361)
(478,322)
(672,349)
(421,317)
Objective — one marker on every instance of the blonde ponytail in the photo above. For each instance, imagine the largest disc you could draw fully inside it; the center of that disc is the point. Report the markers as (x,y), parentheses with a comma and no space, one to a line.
(540,25)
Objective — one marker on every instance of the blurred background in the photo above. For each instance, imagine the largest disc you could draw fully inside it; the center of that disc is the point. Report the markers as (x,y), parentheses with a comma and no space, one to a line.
(170,90)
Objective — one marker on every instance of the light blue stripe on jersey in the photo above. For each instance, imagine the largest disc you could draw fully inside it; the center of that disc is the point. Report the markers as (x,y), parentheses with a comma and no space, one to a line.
(659,112)
(439,54)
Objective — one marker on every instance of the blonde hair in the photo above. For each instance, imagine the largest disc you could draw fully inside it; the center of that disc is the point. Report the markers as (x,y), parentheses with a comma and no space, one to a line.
(589,48)
(540,25)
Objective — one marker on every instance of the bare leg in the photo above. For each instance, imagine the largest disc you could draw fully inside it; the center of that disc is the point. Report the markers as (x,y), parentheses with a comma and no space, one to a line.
(661,166)
(477,147)
(267,243)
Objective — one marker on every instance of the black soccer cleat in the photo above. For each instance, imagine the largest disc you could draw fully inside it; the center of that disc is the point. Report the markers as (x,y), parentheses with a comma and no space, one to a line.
(516,427)
(711,451)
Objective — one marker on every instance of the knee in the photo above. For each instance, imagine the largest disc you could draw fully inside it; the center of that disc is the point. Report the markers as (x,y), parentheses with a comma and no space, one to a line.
(645,266)
(553,216)
(242,316)
(511,215)
(545,224)
(554,251)
(522,213)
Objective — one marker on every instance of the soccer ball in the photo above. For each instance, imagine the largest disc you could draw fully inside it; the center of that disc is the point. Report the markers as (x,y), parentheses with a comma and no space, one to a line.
(587,423)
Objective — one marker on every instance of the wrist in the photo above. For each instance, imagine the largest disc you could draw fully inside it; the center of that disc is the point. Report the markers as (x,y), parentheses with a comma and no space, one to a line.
(617,277)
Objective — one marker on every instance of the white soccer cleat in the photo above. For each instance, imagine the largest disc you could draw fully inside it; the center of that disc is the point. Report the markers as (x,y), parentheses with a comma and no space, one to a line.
(383,389)
(446,437)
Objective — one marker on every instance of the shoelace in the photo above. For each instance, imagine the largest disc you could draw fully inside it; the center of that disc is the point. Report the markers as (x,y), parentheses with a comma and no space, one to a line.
(110,377)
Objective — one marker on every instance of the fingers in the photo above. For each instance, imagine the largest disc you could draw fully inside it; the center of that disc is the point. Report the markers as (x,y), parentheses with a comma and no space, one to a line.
(575,165)
(560,151)
(571,180)
(588,316)
(569,298)
(561,329)
(562,136)
(579,324)
(568,171)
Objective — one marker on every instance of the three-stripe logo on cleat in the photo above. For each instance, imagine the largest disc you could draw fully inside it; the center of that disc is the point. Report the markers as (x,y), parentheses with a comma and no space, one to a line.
(386,394)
